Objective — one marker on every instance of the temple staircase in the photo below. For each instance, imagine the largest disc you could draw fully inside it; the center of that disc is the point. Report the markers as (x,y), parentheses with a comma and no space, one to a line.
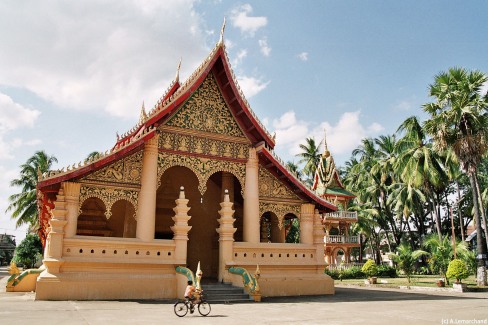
(224,293)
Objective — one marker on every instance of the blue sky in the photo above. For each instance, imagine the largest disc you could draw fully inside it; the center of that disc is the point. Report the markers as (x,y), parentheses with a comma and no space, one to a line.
(72,74)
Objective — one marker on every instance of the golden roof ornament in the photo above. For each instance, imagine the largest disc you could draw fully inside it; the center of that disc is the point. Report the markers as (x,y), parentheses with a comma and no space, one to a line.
(143,115)
(326,150)
(221,40)
(177,77)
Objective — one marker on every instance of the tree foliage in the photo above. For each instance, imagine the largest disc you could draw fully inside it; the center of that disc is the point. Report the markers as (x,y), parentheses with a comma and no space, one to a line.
(28,251)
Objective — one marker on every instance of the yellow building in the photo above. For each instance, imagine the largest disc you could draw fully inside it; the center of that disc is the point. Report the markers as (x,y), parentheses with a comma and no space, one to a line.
(117,226)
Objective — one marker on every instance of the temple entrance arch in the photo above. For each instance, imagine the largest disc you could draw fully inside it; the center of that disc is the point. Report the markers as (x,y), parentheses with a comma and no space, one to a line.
(203,243)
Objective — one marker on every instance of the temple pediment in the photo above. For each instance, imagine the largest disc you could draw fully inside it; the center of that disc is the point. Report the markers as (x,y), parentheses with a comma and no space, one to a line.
(207,111)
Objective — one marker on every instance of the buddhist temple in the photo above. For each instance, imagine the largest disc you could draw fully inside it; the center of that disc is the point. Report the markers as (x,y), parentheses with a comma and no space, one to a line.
(194,182)
(338,241)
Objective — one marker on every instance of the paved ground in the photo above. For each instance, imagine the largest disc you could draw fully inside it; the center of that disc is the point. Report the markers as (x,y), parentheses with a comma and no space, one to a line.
(347,306)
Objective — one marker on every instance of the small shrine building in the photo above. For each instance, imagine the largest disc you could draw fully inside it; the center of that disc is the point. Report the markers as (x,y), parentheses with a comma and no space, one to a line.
(338,240)
(190,183)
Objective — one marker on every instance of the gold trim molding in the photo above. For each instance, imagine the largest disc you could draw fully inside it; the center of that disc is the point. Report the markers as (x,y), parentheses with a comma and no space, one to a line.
(280,210)
(203,168)
(108,195)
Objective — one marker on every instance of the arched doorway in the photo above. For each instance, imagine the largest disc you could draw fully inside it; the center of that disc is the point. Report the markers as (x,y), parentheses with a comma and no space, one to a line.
(203,243)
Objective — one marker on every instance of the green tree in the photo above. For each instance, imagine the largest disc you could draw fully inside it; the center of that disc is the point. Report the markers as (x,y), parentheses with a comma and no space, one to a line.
(405,259)
(28,251)
(441,253)
(370,268)
(92,156)
(24,204)
(310,156)
(457,269)
(293,231)
(420,166)
(292,167)
(459,120)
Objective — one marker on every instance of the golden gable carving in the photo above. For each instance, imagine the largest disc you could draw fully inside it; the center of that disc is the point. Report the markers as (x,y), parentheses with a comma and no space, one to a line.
(108,196)
(202,167)
(271,187)
(207,111)
(127,170)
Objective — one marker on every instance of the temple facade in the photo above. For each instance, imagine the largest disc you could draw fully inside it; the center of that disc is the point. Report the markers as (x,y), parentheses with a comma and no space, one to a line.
(339,240)
(196,181)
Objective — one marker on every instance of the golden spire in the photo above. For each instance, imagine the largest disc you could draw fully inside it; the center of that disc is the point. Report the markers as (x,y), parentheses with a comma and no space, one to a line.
(143,115)
(177,77)
(326,150)
(221,41)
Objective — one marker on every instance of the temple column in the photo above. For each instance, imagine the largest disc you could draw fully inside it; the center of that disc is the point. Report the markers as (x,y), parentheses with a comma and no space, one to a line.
(181,228)
(146,207)
(306,223)
(72,197)
(318,236)
(226,238)
(251,199)
(55,237)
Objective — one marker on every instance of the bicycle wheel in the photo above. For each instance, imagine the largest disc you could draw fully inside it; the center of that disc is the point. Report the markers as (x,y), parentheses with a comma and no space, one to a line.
(204,308)
(181,309)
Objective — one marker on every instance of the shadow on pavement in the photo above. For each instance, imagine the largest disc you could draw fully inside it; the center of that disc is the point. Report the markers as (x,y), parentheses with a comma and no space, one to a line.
(357,295)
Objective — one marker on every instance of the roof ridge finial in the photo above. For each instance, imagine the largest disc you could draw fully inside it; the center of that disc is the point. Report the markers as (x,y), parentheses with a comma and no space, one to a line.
(326,149)
(177,77)
(143,115)
(221,40)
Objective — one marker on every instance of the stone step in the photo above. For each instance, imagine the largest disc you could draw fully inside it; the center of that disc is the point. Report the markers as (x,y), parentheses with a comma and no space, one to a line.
(224,293)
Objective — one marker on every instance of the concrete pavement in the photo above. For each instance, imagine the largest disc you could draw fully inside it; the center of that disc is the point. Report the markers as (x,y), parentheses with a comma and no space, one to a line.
(347,306)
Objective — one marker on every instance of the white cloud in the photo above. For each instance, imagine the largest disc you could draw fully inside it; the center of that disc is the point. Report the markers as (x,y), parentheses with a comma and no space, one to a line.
(263,45)
(403,106)
(303,56)
(342,137)
(248,25)
(251,86)
(14,115)
(240,56)
(99,55)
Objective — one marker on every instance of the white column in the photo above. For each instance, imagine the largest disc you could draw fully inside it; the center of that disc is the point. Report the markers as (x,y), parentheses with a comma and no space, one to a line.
(181,227)
(251,199)
(146,207)
(226,238)
(306,223)
(72,197)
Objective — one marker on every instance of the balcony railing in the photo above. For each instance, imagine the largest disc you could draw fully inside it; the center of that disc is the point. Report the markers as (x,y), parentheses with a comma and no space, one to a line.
(348,215)
(339,239)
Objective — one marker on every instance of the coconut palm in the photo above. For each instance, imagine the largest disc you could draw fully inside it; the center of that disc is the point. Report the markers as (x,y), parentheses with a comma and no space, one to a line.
(24,204)
(420,165)
(310,155)
(441,251)
(405,259)
(292,167)
(459,120)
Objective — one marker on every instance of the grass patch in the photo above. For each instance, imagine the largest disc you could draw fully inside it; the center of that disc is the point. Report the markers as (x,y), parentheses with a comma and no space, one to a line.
(416,280)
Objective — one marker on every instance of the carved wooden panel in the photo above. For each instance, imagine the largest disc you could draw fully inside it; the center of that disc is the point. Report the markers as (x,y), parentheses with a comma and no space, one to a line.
(271,187)
(207,111)
(108,196)
(124,171)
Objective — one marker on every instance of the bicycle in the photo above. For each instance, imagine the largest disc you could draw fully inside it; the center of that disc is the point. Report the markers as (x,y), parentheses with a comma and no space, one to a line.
(183,306)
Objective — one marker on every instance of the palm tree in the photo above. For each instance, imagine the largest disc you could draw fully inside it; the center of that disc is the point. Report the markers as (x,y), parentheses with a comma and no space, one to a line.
(92,156)
(24,204)
(310,155)
(419,165)
(292,167)
(405,259)
(459,120)
(441,251)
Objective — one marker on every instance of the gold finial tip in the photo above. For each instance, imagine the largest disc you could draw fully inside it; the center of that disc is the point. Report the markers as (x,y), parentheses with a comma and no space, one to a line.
(182,188)
(226,191)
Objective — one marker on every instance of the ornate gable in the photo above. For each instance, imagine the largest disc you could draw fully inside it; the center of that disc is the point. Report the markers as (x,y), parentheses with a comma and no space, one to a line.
(125,171)
(271,189)
(207,111)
